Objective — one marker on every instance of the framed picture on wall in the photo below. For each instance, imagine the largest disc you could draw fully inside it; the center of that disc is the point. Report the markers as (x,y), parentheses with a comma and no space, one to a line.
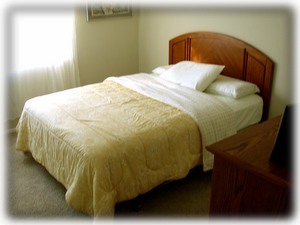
(95,11)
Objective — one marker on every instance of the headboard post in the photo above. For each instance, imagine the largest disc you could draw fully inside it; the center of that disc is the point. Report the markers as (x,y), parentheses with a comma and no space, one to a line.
(241,60)
(178,50)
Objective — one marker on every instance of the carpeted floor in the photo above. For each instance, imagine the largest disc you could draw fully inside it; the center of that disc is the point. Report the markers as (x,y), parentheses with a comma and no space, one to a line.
(33,193)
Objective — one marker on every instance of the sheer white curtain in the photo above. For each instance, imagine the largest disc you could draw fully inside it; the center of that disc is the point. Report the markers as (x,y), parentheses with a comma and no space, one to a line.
(43,56)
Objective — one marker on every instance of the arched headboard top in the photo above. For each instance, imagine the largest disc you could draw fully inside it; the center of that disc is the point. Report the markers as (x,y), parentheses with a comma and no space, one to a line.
(241,60)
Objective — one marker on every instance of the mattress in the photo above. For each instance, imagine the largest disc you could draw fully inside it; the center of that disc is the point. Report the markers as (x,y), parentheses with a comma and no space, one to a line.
(107,143)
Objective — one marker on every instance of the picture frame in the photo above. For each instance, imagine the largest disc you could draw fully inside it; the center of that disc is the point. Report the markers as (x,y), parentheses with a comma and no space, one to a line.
(99,10)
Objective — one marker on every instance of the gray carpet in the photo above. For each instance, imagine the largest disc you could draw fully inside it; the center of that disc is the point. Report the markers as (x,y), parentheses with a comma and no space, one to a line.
(33,193)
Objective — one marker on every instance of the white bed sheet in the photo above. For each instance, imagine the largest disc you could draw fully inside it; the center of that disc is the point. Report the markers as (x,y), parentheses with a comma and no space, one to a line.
(247,110)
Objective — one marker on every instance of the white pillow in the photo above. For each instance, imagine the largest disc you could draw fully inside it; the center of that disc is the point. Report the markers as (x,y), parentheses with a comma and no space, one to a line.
(161,69)
(232,87)
(193,75)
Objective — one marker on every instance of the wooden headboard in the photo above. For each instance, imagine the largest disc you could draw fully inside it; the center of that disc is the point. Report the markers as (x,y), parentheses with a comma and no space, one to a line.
(241,60)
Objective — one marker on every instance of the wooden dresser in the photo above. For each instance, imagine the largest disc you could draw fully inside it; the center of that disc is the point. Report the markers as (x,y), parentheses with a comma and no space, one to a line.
(245,182)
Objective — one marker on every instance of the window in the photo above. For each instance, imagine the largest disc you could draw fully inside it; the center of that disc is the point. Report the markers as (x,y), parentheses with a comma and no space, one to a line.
(41,39)
(43,59)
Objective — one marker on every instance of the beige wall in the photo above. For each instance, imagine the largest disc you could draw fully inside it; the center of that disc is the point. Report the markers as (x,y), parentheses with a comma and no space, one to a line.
(269,30)
(106,47)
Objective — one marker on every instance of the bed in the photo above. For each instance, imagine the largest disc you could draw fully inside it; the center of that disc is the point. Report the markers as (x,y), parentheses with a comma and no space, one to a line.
(111,141)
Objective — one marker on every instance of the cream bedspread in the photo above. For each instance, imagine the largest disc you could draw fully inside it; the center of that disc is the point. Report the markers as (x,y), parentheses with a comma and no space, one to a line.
(107,143)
